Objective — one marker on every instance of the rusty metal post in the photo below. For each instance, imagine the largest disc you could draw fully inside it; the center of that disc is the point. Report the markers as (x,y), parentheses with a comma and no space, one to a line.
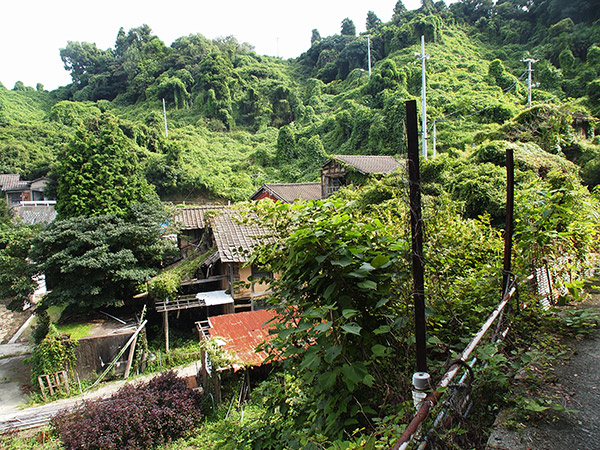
(416,226)
(509,228)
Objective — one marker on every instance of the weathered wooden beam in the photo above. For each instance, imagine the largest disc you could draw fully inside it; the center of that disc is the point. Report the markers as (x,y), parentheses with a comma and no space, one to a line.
(114,361)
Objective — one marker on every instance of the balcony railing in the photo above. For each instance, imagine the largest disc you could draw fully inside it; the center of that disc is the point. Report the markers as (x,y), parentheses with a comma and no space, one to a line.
(38,203)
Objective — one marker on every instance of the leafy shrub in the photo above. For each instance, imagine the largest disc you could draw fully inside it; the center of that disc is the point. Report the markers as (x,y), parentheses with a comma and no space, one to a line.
(136,417)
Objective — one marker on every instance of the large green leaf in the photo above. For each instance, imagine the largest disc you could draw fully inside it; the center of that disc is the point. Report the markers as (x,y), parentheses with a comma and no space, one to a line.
(332,352)
(368,284)
(352,327)
(379,261)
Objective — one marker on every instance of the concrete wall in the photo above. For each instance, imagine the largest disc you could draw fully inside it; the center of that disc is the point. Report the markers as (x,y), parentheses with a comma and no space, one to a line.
(92,352)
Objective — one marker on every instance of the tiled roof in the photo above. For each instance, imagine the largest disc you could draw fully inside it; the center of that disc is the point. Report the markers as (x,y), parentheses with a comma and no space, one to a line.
(235,240)
(194,218)
(243,332)
(9,181)
(369,163)
(289,192)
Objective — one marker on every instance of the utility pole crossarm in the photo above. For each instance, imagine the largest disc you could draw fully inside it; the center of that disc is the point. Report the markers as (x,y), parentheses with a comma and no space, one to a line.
(529,61)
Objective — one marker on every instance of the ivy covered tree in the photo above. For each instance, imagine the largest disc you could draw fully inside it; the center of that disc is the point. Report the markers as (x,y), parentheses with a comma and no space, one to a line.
(98,172)
(315,36)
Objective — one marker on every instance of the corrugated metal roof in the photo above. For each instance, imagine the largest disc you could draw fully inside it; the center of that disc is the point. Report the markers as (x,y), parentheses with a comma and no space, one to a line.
(235,240)
(243,332)
(289,192)
(369,163)
(194,218)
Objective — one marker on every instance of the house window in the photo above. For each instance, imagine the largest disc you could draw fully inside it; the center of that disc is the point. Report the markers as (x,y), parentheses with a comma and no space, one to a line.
(257,274)
(335,184)
(14,198)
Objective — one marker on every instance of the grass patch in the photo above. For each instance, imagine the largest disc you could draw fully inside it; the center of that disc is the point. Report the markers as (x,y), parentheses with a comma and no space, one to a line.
(75,330)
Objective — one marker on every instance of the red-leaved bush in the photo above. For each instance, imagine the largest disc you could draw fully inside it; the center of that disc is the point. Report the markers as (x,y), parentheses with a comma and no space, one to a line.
(136,417)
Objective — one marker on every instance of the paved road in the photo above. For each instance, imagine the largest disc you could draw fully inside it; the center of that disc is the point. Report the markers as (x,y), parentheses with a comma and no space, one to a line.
(579,383)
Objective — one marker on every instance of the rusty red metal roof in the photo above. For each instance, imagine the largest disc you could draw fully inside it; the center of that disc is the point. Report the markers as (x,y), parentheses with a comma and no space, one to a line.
(242,333)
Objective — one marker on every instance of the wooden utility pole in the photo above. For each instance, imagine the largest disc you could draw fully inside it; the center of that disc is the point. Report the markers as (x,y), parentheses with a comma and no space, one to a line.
(416,227)
(508,230)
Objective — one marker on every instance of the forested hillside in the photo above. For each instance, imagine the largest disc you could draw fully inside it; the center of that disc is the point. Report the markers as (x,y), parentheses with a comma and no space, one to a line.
(237,119)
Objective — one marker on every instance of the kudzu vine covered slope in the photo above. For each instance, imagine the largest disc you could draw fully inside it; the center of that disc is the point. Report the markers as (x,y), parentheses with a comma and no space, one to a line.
(237,119)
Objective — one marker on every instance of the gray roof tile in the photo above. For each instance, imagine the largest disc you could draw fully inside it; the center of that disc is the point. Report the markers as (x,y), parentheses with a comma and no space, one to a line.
(194,217)
(9,181)
(369,163)
(236,240)
(289,192)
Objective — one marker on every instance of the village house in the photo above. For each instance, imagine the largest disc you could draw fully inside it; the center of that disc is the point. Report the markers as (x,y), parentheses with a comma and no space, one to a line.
(342,170)
(338,171)
(28,199)
(223,283)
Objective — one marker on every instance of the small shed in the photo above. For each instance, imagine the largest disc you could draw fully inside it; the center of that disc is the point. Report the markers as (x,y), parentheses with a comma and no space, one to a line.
(242,333)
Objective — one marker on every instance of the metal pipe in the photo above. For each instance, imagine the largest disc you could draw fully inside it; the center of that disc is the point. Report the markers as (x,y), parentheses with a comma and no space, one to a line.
(432,399)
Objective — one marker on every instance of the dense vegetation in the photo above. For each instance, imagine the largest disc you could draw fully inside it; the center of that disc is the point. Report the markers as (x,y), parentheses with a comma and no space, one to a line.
(238,119)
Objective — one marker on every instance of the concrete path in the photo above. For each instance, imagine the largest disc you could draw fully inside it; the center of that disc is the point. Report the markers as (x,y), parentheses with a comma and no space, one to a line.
(12,417)
(579,388)
(16,349)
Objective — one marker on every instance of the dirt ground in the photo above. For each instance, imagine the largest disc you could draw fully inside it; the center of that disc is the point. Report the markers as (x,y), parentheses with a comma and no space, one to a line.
(10,321)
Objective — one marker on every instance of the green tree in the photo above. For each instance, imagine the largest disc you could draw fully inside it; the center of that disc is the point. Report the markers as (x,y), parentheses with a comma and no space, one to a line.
(16,271)
(372,21)
(399,8)
(593,57)
(101,260)
(338,280)
(315,36)
(566,61)
(348,28)
(286,145)
(84,60)
(98,172)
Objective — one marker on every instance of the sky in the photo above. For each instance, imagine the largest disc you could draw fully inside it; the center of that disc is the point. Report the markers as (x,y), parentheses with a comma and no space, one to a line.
(33,31)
